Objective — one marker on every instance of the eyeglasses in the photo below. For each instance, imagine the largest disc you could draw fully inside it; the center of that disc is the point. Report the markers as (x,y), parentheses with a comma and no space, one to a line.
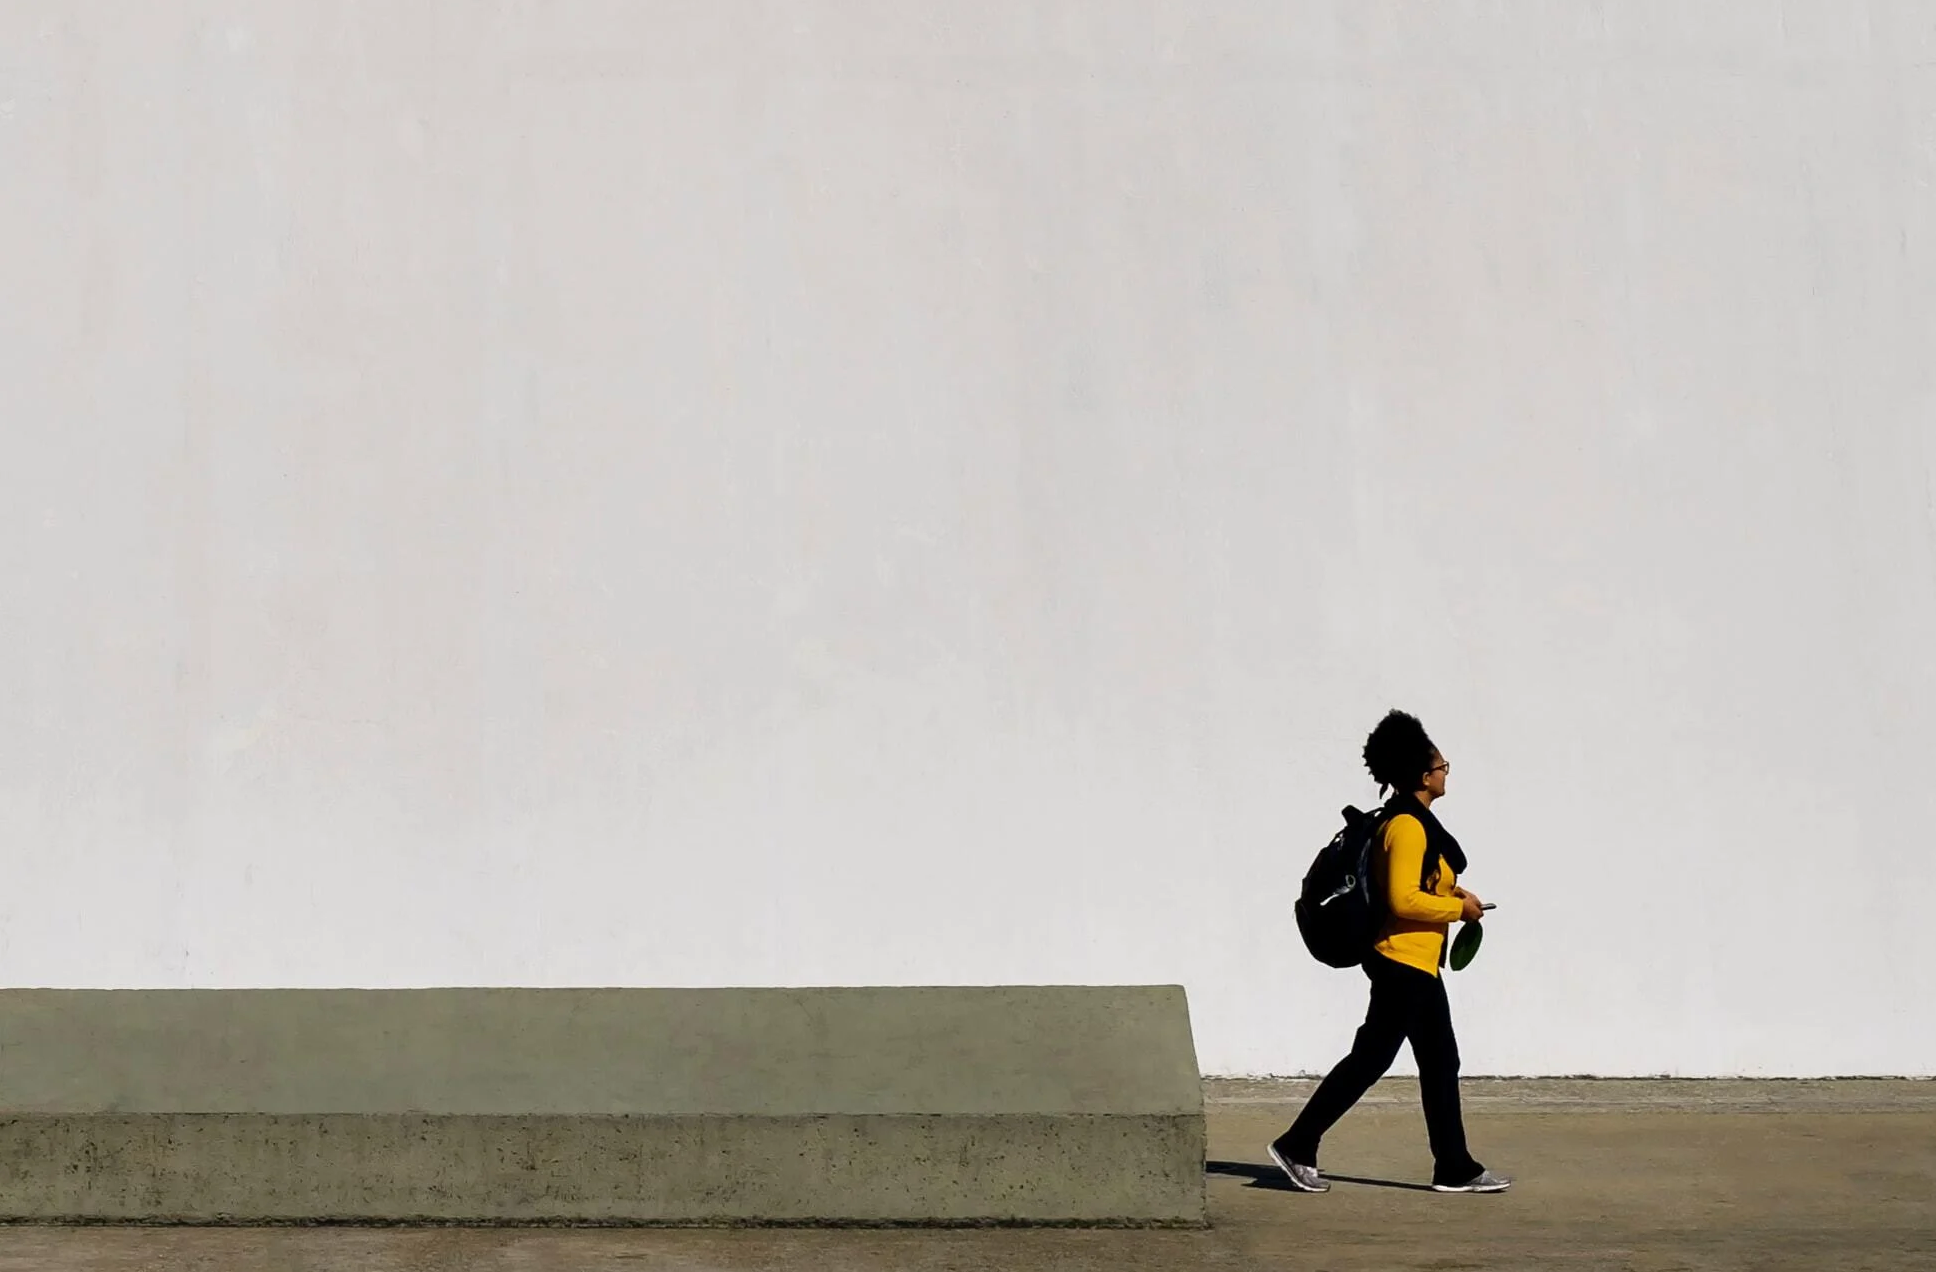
(1443,766)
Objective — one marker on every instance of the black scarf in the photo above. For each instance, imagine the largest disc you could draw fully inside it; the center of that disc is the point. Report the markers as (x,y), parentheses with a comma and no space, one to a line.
(1439,844)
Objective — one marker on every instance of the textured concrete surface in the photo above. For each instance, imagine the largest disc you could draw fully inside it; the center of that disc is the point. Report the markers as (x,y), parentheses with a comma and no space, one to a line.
(1614,1095)
(1628,1176)
(656,1106)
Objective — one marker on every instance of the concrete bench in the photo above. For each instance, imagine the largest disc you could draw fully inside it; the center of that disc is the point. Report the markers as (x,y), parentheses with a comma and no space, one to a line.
(623,1106)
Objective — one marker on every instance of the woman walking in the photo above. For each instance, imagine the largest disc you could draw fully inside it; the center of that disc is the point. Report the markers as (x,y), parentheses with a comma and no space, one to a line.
(1416,869)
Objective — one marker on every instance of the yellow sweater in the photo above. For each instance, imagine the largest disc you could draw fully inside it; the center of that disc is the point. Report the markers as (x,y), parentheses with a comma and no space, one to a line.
(1414,932)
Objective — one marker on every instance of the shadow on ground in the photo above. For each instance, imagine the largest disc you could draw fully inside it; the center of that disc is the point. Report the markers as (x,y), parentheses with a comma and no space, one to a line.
(1268,1177)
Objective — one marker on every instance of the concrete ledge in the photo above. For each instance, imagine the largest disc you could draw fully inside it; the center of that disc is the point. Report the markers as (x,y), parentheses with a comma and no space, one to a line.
(1043,1105)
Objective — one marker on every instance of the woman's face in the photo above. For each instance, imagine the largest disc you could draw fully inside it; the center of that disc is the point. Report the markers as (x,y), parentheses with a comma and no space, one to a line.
(1435,776)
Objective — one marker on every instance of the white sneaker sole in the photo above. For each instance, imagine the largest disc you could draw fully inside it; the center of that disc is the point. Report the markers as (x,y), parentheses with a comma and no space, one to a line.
(1468,1188)
(1286,1168)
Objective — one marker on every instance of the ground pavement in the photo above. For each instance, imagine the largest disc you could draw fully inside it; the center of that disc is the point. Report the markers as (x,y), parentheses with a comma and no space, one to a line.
(1646,1175)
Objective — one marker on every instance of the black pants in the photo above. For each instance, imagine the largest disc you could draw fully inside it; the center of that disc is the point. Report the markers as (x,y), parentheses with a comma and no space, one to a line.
(1405,1003)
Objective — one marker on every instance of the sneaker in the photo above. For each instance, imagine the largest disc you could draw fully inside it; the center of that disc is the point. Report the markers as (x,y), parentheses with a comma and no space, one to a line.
(1303,1178)
(1484,1182)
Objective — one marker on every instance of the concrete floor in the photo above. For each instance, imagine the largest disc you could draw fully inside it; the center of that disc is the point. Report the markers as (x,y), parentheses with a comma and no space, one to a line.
(1647,1175)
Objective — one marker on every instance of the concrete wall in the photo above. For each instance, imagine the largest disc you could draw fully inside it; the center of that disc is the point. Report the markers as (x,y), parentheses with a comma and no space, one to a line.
(722,493)
(870,1105)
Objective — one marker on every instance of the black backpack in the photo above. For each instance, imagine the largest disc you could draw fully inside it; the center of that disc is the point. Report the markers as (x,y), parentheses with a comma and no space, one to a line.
(1338,909)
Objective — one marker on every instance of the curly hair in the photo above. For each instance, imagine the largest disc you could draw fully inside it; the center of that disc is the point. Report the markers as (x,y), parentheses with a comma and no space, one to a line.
(1398,752)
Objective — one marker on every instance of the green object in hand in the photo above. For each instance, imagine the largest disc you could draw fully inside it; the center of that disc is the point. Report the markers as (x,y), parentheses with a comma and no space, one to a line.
(1466,944)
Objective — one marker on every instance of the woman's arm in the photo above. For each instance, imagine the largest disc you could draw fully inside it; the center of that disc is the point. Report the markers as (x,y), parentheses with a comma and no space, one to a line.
(1404,862)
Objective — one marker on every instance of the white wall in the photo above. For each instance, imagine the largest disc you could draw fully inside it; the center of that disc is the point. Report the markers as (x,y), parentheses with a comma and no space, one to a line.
(707,493)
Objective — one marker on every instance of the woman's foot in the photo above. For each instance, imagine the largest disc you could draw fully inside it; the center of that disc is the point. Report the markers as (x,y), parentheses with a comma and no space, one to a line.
(1484,1182)
(1303,1178)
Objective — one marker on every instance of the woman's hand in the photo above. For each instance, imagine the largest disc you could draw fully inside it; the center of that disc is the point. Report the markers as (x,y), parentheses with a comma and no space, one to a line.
(1474,908)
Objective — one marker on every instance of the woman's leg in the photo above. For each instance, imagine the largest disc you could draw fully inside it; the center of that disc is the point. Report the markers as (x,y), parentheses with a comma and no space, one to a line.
(1373,1051)
(1437,1051)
